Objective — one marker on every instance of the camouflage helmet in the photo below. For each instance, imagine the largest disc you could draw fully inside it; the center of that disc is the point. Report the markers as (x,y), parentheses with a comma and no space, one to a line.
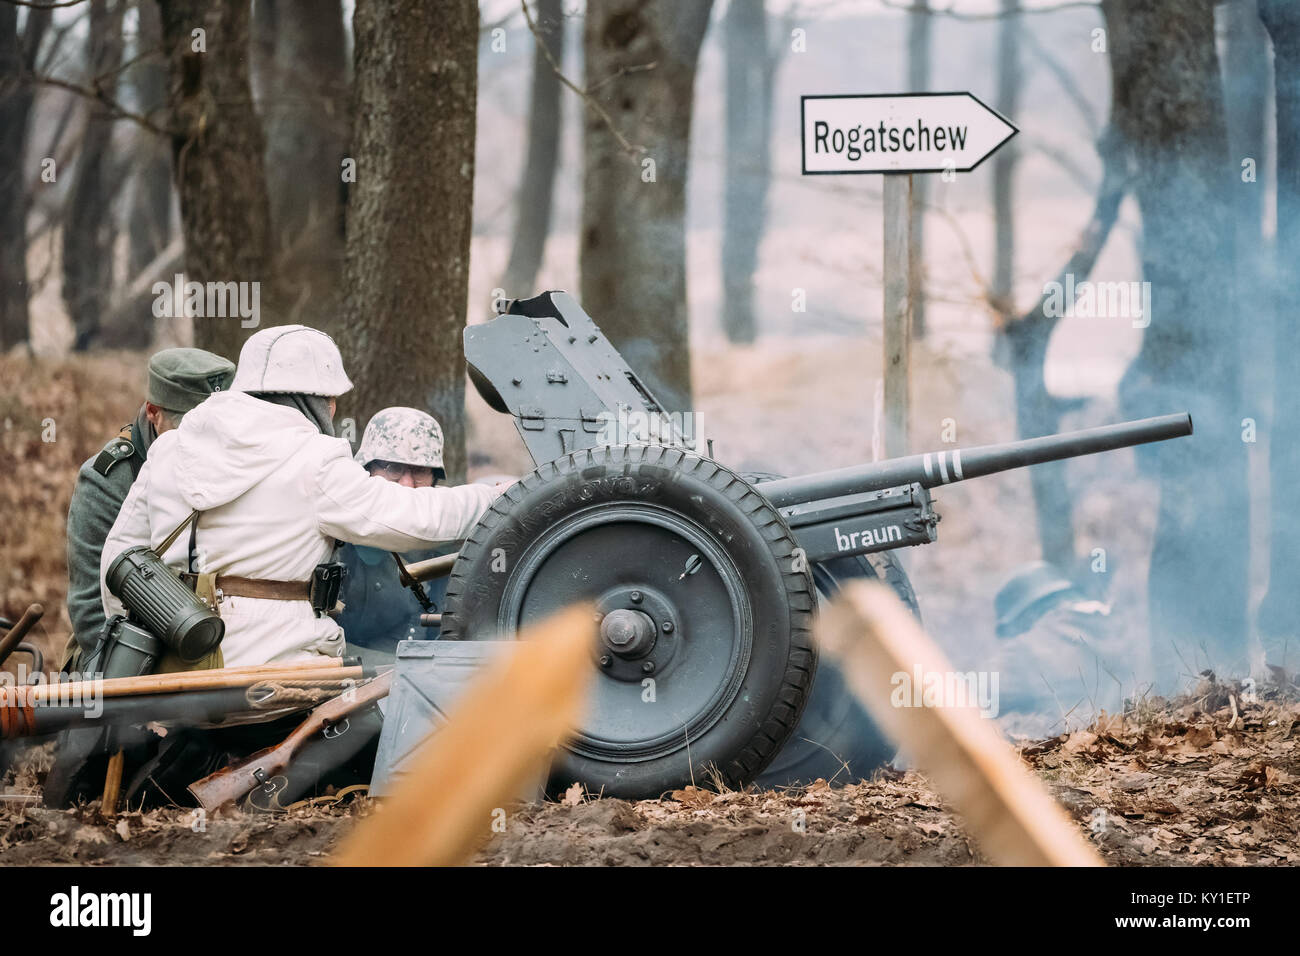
(406,436)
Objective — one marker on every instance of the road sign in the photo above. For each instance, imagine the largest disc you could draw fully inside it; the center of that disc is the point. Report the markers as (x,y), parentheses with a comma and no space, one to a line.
(899,133)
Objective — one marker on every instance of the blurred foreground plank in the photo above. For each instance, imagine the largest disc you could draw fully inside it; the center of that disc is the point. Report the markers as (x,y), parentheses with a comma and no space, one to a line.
(496,739)
(1008,811)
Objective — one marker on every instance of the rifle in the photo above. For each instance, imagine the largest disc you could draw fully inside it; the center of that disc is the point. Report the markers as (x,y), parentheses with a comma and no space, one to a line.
(233,782)
(186,708)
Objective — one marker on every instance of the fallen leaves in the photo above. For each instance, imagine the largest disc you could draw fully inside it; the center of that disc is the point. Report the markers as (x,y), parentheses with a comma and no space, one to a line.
(1184,781)
(693,797)
(56,415)
(1261,775)
(1081,741)
(1172,785)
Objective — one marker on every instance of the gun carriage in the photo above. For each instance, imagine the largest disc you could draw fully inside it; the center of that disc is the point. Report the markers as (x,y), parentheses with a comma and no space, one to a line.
(706,580)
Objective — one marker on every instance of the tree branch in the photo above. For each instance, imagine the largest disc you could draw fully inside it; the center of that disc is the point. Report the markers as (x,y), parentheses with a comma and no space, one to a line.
(1066,82)
(115,109)
(584,95)
(56,42)
(1114,184)
(974,17)
(42,6)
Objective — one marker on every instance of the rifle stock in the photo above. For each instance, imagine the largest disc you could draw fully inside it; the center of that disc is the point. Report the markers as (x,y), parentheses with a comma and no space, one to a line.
(231,783)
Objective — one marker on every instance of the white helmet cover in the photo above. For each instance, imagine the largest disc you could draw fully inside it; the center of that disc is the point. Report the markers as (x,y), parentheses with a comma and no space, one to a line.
(406,436)
(291,358)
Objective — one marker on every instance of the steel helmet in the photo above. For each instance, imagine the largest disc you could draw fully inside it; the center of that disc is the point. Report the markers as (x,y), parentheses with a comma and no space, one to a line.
(406,436)
(291,358)
(1033,589)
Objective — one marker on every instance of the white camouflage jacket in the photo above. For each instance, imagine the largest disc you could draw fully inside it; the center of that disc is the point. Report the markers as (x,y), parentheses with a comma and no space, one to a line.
(274,494)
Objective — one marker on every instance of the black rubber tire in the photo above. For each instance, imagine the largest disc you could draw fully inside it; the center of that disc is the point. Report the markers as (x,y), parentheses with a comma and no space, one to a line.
(723,507)
(889,570)
(835,728)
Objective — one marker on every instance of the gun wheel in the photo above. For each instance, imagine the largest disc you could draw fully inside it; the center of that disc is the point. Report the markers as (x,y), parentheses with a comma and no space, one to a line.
(705,655)
(836,739)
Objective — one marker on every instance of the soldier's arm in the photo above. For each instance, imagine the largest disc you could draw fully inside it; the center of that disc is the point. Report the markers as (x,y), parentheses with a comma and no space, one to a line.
(95,503)
(129,530)
(355,507)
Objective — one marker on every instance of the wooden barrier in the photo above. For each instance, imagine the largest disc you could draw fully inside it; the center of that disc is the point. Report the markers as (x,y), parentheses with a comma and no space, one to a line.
(1008,811)
(497,739)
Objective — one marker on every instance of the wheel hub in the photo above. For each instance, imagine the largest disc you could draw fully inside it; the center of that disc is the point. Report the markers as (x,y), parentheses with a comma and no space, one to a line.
(676,613)
(628,633)
(639,635)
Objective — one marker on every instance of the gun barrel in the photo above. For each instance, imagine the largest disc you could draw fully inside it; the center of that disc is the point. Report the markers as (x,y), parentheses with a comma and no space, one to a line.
(940,468)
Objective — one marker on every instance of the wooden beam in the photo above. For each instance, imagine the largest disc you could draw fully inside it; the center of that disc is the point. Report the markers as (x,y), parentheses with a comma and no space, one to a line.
(881,649)
(496,740)
(326,668)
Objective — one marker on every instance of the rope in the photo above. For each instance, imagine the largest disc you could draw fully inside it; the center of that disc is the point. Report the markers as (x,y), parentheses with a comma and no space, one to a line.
(273,804)
(269,694)
(16,720)
(17,715)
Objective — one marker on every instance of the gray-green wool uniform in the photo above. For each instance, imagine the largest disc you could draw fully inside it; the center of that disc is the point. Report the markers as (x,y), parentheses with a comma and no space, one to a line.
(178,380)
(102,486)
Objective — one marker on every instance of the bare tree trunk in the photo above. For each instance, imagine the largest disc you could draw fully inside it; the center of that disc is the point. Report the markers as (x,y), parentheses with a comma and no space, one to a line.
(919,23)
(409,213)
(304,105)
(1246,83)
(1279,614)
(641,57)
(1245,86)
(149,219)
(88,231)
(17,57)
(533,215)
(1037,412)
(217,159)
(1004,162)
(1169,113)
(749,74)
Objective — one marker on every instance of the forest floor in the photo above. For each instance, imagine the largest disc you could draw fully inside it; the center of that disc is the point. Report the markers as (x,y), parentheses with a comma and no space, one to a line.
(1202,781)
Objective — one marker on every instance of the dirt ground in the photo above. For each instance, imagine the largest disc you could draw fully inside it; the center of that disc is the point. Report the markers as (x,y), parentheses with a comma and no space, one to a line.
(1207,780)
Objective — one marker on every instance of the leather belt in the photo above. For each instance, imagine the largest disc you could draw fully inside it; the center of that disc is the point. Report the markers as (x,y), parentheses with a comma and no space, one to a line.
(233,586)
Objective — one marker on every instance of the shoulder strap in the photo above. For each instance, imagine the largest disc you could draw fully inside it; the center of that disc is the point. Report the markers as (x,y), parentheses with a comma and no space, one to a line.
(171,538)
(118,449)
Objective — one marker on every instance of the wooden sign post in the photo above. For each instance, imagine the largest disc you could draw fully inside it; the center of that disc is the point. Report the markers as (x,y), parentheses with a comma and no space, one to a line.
(897,322)
(898,135)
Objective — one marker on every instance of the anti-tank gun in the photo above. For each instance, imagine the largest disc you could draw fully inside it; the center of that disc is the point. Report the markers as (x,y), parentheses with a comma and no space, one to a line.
(705,580)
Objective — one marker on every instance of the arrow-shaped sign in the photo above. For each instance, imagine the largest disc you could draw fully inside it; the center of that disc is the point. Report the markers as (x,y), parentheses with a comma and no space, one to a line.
(899,133)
